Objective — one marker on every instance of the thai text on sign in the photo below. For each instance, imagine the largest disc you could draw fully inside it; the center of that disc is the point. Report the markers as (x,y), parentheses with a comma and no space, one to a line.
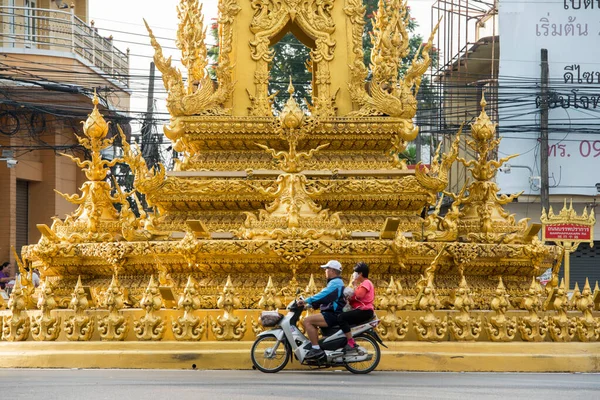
(567,232)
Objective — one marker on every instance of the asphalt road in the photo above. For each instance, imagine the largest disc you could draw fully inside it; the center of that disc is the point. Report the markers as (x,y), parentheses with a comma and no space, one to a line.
(247,385)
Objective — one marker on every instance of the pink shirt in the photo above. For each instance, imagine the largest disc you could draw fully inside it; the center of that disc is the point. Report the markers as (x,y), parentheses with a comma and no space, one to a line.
(363,296)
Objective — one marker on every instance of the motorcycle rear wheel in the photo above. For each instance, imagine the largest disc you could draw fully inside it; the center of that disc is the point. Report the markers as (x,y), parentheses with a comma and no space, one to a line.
(364,367)
(266,362)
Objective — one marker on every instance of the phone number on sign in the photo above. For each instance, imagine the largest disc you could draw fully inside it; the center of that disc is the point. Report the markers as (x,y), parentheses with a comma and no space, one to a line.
(585,149)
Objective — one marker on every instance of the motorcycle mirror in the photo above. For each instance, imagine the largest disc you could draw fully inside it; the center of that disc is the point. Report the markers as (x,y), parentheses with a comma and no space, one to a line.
(298,291)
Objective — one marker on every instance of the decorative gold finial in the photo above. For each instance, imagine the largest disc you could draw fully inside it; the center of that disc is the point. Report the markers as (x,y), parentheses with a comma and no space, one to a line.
(79,327)
(532,327)
(189,326)
(429,327)
(560,327)
(150,326)
(392,327)
(114,325)
(501,328)
(15,327)
(44,327)
(588,327)
(292,115)
(483,102)
(269,300)
(463,326)
(228,326)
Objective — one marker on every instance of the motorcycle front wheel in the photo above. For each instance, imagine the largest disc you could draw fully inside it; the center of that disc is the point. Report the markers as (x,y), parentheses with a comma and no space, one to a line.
(364,367)
(267,359)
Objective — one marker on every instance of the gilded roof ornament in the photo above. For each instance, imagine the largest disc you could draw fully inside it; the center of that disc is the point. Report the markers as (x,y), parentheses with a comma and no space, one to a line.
(199,96)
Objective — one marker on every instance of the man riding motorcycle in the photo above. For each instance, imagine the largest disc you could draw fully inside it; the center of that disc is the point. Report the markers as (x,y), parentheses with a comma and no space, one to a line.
(331,302)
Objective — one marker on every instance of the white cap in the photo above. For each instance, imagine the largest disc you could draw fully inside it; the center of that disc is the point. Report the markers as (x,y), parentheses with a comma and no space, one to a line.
(333,264)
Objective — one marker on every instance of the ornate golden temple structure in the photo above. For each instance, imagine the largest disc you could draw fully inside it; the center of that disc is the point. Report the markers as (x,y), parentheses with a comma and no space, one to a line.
(258,201)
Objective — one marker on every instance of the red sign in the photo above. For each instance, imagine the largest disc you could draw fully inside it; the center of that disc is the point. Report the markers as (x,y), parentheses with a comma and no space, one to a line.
(568,232)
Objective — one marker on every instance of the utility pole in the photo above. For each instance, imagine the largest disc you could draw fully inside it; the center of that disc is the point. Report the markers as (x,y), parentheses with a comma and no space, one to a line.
(544,189)
(147,146)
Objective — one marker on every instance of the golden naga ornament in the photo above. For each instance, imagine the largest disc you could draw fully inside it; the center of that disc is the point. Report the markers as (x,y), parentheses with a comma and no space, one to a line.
(199,96)
(80,326)
(501,328)
(188,326)
(15,327)
(532,327)
(560,327)
(228,326)
(588,327)
(150,326)
(113,326)
(45,327)
(463,326)
(392,327)
(429,327)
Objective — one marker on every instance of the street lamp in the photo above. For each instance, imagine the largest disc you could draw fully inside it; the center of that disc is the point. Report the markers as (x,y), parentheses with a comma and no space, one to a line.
(9,157)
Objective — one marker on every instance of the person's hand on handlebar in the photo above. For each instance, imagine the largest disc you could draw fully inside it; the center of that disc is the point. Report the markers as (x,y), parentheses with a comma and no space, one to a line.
(300,302)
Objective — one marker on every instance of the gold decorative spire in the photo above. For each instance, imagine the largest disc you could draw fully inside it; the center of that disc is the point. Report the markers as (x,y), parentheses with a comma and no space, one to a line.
(292,115)
(94,219)
(482,217)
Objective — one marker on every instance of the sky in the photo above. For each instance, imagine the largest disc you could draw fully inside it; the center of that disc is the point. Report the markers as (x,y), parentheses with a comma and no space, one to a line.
(128,31)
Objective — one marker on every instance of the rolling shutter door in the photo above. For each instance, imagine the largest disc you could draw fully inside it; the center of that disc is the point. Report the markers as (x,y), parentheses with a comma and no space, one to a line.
(22,215)
(585,263)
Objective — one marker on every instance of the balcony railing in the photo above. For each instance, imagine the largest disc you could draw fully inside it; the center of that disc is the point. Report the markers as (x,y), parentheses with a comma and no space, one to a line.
(61,31)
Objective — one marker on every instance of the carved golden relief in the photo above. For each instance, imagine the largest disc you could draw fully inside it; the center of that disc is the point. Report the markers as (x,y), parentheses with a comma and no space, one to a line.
(293,214)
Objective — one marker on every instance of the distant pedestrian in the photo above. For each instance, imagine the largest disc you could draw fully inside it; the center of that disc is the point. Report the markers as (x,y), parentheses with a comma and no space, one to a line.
(4,274)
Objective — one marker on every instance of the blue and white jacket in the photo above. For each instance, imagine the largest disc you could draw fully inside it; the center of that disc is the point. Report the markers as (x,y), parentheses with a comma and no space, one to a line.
(331,298)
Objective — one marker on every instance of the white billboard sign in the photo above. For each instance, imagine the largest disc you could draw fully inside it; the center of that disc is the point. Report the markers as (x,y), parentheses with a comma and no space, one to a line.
(570,31)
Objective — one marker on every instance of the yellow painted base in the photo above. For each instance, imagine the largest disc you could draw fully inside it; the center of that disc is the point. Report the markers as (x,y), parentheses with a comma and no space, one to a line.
(401,356)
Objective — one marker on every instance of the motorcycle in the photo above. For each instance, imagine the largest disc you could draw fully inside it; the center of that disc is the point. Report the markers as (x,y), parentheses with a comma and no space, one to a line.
(273,349)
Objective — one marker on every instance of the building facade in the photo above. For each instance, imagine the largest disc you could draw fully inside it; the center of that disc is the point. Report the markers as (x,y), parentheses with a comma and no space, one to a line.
(496,48)
(51,62)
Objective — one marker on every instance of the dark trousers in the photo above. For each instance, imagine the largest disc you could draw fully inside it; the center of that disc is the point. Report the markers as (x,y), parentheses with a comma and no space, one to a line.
(354,317)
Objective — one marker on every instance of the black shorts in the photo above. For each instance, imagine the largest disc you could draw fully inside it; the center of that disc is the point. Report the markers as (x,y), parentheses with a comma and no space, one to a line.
(331,318)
